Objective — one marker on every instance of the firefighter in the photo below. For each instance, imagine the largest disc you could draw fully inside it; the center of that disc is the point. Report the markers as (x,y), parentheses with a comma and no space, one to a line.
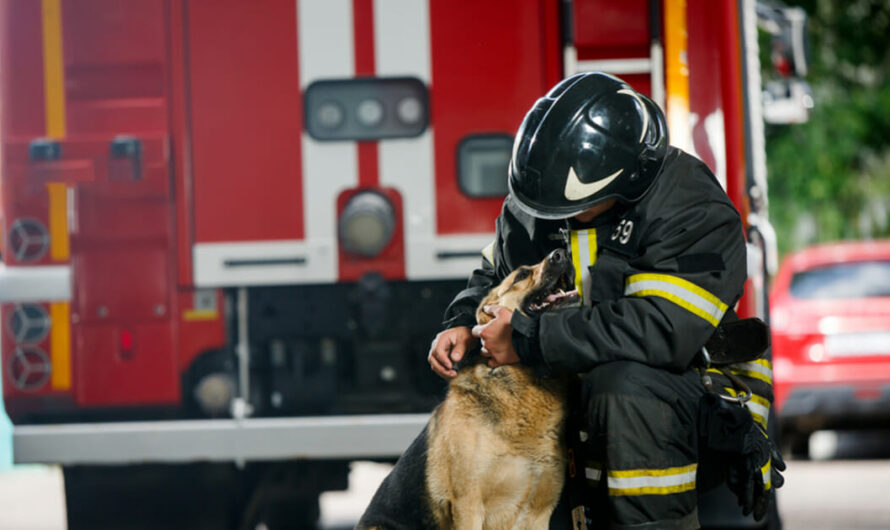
(659,259)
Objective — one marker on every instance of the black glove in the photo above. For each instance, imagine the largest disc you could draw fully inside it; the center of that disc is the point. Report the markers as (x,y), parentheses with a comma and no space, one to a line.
(755,474)
(753,462)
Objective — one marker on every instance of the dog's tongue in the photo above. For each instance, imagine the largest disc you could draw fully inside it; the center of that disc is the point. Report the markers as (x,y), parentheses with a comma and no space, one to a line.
(560,295)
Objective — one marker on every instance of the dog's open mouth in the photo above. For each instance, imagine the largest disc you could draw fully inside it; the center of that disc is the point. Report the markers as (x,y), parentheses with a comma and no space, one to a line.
(553,292)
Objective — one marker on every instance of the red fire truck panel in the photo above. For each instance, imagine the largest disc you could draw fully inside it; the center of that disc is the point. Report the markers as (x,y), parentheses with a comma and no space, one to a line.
(258,158)
(246,121)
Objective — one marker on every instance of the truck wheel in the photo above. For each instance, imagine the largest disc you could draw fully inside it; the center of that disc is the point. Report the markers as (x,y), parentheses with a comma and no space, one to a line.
(272,510)
(286,514)
(149,497)
(284,495)
(797,445)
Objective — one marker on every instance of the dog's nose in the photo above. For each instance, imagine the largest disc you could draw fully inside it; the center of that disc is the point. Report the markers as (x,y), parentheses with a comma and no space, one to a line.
(557,256)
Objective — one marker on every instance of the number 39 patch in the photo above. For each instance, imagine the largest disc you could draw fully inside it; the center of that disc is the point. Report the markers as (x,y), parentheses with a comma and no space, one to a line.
(623,231)
(622,237)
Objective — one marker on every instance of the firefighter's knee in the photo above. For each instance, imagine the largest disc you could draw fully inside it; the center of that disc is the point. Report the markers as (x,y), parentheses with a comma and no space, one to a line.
(626,401)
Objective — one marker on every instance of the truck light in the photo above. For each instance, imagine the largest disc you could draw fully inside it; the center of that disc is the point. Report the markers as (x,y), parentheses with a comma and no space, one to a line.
(816,352)
(126,343)
(367,224)
(482,161)
(329,115)
(214,393)
(369,112)
(29,368)
(366,109)
(28,239)
(409,110)
(28,323)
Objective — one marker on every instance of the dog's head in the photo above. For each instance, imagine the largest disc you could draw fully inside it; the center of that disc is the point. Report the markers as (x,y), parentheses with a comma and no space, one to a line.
(534,289)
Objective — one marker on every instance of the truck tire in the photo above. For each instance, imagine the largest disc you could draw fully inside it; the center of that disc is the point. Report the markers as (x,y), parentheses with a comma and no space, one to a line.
(150,497)
(285,513)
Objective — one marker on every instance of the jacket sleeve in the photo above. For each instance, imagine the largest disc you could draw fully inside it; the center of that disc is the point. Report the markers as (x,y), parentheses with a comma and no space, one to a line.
(519,240)
(462,310)
(692,269)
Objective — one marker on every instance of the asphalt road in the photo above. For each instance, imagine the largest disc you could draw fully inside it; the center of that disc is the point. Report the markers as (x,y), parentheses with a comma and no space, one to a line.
(847,492)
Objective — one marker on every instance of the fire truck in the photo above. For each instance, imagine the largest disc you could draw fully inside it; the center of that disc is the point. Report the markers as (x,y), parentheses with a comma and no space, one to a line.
(230,227)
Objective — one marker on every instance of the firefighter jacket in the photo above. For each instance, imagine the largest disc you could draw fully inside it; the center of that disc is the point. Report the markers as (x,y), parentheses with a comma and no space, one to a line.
(656,275)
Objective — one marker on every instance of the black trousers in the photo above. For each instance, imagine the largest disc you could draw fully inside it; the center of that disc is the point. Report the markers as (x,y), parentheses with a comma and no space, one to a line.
(635,461)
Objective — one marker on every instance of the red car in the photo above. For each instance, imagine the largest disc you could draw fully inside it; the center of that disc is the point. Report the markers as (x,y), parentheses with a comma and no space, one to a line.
(830,319)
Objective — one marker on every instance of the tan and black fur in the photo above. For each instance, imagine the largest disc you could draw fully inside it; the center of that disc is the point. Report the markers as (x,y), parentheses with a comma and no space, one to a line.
(492,455)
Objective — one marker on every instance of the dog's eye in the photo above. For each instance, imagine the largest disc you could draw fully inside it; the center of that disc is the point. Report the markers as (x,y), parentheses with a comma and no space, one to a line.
(522,274)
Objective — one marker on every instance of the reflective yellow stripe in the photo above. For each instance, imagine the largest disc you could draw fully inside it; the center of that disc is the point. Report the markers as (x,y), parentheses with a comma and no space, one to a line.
(576,263)
(583,247)
(488,252)
(760,369)
(194,315)
(682,292)
(59,249)
(652,481)
(60,346)
(766,472)
(54,110)
(758,406)
(53,69)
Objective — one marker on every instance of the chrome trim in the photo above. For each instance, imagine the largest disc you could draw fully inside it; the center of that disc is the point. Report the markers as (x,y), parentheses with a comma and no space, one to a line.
(41,283)
(329,437)
(641,65)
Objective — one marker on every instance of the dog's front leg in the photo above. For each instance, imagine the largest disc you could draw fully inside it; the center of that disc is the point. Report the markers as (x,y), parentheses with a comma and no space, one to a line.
(467,512)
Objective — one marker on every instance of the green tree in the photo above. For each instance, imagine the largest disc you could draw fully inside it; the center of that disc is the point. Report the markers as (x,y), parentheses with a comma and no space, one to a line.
(829,179)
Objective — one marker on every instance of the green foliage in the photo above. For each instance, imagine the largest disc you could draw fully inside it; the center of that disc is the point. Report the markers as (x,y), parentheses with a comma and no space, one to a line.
(830,178)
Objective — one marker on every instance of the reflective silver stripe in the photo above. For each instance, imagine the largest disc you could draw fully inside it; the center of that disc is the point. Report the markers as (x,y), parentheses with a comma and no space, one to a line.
(757,408)
(584,259)
(652,481)
(679,291)
(759,369)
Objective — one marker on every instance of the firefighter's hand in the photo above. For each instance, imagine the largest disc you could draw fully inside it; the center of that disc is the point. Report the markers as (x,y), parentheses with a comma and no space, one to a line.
(755,475)
(497,337)
(448,348)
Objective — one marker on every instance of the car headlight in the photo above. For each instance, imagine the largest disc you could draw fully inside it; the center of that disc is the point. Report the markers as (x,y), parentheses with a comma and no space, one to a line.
(367,224)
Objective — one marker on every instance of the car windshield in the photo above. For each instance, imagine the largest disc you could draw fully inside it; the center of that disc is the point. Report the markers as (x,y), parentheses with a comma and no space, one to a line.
(864,279)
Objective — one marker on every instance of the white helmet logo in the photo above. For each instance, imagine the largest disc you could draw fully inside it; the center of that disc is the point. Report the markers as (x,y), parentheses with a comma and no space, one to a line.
(577,190)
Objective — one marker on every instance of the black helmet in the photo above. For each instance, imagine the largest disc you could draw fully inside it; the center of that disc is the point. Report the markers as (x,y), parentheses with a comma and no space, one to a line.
(591,138)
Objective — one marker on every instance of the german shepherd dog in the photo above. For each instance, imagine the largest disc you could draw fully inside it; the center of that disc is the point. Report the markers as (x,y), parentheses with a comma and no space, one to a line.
(492,455)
